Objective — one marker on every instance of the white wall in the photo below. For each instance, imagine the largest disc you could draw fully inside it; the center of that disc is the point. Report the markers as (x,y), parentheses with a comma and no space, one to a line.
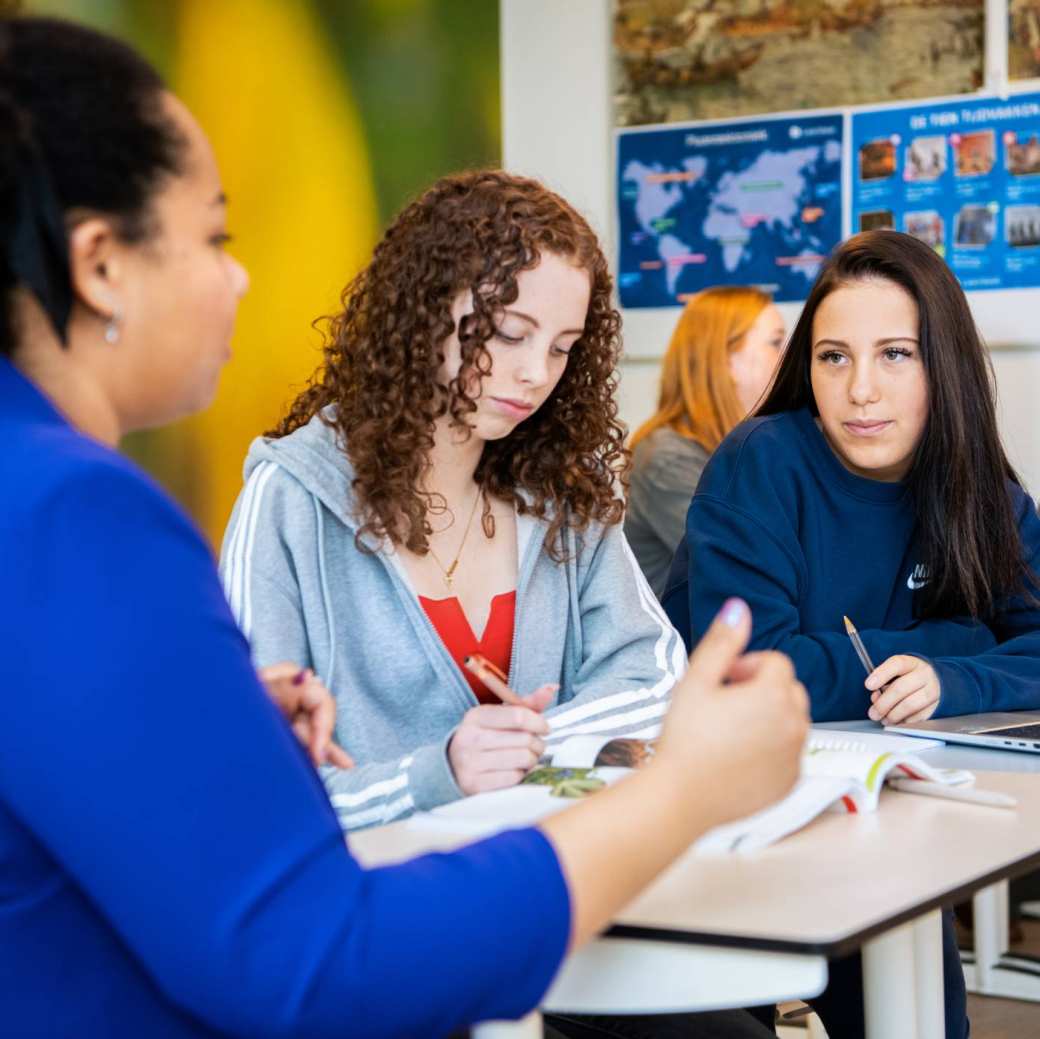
(557,125)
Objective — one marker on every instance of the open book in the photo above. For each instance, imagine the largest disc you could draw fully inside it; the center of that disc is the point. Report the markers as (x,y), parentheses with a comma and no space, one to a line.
(839,773)
(838,776)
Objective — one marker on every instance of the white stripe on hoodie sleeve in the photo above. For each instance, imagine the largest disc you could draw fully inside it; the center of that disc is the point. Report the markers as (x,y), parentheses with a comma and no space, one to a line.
(238,574)
(232,539)
(380,792)
(661,659)
(377,789)
(383,812)
(377,815)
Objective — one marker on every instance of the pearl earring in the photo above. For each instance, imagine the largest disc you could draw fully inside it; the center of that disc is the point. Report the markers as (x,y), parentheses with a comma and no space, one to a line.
(112,328)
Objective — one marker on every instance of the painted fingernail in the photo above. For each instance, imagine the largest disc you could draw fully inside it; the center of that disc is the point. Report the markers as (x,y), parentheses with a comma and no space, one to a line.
(300,677)
(733,612)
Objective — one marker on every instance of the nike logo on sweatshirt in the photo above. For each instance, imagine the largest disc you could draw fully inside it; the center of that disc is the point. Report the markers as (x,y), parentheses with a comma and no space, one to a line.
(918,577)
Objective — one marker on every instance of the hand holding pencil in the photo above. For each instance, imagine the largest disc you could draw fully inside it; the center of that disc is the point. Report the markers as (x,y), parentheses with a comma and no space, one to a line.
(498,683)
(496,744)
(903,689)
(309,708)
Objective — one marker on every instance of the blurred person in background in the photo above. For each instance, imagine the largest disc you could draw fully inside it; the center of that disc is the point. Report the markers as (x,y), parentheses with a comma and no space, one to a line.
(723,353)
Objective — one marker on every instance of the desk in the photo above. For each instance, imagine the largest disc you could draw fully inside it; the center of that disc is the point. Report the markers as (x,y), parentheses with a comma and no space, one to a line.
(845,882)
(989,969)
(627,975)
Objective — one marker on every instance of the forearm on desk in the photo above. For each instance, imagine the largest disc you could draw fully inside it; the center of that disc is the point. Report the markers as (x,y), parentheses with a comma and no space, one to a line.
(989,682)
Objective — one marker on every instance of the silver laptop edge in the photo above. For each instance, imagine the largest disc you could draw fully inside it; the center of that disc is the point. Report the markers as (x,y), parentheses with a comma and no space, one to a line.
(972,730)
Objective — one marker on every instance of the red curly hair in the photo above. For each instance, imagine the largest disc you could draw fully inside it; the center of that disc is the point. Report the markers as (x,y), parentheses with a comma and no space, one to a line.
(473,231)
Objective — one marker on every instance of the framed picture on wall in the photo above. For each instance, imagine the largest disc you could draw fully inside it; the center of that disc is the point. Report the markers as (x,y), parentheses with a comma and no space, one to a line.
(683,60)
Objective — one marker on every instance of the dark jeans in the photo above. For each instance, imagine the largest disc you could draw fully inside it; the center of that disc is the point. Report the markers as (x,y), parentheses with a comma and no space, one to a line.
(1025,889)
(840,1005)
(722,1024)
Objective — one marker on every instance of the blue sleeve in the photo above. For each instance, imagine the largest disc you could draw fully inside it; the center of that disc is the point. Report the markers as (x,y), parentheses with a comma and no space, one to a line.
(137,745)
(731,553)
(1006,677)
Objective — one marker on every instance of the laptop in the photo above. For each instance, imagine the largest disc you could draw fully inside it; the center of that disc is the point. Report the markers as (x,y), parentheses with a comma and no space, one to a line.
(1009,730)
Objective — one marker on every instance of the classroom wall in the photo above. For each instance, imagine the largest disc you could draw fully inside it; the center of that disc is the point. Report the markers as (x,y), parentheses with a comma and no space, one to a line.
(557,125)
(326,118)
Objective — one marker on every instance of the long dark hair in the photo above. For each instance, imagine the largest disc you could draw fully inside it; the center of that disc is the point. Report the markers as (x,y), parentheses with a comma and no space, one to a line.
(82,128)
(966,526)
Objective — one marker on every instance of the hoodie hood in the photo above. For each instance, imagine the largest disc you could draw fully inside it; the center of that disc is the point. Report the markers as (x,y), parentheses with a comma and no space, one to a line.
(313,456)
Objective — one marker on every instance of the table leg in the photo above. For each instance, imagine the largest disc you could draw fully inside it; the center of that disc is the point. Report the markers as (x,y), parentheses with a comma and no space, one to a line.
(889,990)
(928,974)
(903,981)
(529,1027)
(990,924)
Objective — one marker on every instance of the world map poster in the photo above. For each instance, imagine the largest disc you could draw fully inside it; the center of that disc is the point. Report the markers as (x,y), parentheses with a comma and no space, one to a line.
(749,203)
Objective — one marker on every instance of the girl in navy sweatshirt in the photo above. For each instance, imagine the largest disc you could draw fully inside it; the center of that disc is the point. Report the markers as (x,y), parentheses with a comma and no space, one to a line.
(872,483)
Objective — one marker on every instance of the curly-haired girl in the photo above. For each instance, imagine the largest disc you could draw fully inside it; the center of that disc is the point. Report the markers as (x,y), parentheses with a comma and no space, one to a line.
(454,468)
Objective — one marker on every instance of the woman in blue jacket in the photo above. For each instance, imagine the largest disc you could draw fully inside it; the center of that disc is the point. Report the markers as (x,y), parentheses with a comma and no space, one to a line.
(170,866)
(872,483)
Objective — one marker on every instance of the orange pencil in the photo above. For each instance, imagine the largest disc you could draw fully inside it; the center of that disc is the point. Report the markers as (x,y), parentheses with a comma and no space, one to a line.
(493,678)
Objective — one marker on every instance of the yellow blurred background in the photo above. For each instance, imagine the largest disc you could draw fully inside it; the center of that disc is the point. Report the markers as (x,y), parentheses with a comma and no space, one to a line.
(326,117)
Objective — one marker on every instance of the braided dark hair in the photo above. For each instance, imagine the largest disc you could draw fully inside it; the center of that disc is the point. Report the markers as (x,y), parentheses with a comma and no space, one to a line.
(82,127)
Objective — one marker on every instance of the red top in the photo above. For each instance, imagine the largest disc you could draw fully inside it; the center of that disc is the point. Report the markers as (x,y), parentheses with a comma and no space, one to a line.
(447,616)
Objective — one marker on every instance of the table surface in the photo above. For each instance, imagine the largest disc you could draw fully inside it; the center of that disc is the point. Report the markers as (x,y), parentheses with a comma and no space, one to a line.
(840,881)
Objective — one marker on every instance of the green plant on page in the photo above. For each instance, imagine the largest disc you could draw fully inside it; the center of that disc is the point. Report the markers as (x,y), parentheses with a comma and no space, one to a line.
(565,782)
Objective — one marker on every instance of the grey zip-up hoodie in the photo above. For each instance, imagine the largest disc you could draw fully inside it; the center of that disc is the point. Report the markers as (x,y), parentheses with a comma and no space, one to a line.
(302,591)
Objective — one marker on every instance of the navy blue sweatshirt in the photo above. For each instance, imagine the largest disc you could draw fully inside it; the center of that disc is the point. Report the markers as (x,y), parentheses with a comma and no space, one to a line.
(170,866)
(779,521)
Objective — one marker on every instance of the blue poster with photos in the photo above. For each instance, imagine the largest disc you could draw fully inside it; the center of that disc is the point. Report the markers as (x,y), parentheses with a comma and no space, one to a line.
(963,176)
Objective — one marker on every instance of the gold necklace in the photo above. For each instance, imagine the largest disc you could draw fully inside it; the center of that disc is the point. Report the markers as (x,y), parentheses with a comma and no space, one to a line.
(449,573)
